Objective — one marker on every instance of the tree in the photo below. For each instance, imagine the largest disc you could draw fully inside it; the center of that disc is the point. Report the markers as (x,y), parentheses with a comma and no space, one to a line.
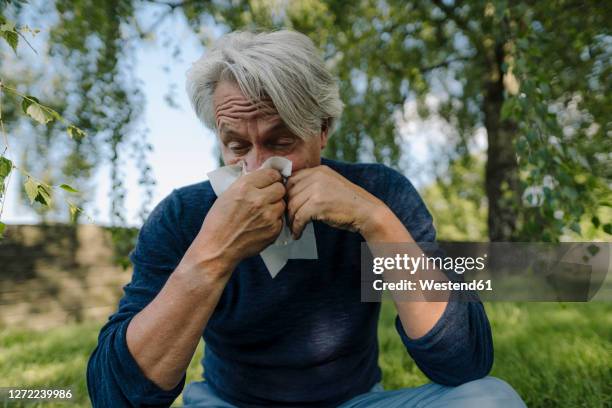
(535,75)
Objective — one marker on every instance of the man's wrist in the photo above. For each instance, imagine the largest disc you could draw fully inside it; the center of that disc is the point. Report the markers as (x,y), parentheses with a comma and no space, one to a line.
(207,266)
(382,225)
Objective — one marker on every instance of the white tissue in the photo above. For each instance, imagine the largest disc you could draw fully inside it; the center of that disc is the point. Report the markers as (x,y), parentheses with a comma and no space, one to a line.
(285,247)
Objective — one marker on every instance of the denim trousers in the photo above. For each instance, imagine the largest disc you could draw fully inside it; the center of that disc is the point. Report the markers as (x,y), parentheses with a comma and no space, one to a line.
(486,392)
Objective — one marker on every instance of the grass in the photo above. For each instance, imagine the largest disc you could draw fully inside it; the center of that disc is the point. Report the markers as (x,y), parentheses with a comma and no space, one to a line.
(553,354)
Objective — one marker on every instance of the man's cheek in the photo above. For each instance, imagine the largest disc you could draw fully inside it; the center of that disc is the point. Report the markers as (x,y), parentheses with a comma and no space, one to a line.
(229,159)
(298,163)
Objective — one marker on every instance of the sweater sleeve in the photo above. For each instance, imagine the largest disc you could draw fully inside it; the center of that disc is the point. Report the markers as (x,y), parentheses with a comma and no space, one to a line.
(459,348)
(114,378)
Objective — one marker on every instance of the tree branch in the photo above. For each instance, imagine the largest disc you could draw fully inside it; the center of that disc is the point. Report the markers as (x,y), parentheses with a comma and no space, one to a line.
(446,63)
(171,8)
(171,5)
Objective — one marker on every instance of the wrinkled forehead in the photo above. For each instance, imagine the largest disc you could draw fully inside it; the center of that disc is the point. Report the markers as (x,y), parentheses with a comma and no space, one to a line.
(233,107)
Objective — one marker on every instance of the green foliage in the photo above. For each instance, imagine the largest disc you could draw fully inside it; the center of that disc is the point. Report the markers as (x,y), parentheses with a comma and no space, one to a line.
(31,189)
(571,370)
(75,133)
(6,166)
(124,240)
(68,188)
(457,202)
(35,110)
(92,99)
(9,33)
(74,212)
(538,86)
(534,75)
(35,191)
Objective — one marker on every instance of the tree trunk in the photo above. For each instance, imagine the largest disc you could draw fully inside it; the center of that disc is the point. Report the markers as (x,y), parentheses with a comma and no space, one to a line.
(502,181)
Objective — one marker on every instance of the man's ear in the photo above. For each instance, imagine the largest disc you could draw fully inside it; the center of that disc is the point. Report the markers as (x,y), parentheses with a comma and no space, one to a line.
(324,133)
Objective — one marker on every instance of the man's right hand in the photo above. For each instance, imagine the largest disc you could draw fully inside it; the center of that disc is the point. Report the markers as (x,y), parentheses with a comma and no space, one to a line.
(243,221)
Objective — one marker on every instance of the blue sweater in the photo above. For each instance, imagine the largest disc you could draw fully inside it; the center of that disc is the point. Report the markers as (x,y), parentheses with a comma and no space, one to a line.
(301,339)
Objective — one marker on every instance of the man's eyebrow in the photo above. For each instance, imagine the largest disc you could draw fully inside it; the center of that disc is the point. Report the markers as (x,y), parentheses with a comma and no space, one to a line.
(227,131)
(279,127)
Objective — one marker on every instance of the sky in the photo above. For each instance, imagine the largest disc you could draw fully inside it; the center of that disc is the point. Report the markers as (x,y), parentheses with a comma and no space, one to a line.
(183,149)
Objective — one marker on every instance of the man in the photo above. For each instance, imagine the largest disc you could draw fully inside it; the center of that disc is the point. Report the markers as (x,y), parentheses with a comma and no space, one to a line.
(302,338)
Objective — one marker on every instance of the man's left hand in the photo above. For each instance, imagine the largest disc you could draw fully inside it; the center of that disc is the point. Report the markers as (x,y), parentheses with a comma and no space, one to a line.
(319,193)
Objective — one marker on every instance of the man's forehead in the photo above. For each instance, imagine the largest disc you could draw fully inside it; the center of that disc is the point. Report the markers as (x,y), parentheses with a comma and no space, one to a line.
(268,125)
(228,96)
(232,107)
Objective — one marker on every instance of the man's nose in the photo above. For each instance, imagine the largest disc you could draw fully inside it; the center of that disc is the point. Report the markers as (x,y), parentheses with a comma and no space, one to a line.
(256,157)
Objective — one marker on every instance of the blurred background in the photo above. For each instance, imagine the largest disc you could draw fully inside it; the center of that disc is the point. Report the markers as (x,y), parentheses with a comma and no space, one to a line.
(497,111)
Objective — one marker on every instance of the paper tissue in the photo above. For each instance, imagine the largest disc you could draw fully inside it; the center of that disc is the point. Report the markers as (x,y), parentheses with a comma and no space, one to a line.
(285,247)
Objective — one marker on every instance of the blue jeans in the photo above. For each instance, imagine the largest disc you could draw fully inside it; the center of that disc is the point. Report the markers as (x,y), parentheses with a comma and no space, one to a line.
(487,392)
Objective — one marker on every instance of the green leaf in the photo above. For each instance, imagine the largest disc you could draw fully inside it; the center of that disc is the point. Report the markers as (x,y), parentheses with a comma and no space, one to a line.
(39,115)
(575,227)
(10,35)
(11,38)
(31,189)
(74,211)
(608,228)
(32,108)
(38,192)
(5,167)
(68,188)
(2,228)
(27,101)
(7,25)
(44,194)
(75,133)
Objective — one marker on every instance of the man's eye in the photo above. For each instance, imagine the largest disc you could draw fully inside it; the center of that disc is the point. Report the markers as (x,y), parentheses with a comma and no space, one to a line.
(284,143)
(237,148)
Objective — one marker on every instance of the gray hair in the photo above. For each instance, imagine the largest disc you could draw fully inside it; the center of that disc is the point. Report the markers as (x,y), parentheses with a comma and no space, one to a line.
(283,65)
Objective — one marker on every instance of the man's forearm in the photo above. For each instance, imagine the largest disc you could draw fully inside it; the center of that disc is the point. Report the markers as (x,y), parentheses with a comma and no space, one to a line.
(417,317)
(163,337)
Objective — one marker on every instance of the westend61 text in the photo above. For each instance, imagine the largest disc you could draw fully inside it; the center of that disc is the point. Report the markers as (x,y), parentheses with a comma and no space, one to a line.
(430,284)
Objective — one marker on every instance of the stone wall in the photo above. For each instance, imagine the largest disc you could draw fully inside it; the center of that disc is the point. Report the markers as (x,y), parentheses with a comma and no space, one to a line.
(54,274)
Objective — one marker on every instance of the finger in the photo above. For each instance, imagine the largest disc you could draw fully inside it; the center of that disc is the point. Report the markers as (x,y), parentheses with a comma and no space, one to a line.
(303,182)
(272,214)
(278,227)
(299,176)
(263,177)
(278,208)
(274,192)
(296,187)
(301,218)
(295,202)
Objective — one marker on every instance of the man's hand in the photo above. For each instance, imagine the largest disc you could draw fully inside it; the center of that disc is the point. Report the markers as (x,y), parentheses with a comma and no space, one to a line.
(243,221)
(319,193)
